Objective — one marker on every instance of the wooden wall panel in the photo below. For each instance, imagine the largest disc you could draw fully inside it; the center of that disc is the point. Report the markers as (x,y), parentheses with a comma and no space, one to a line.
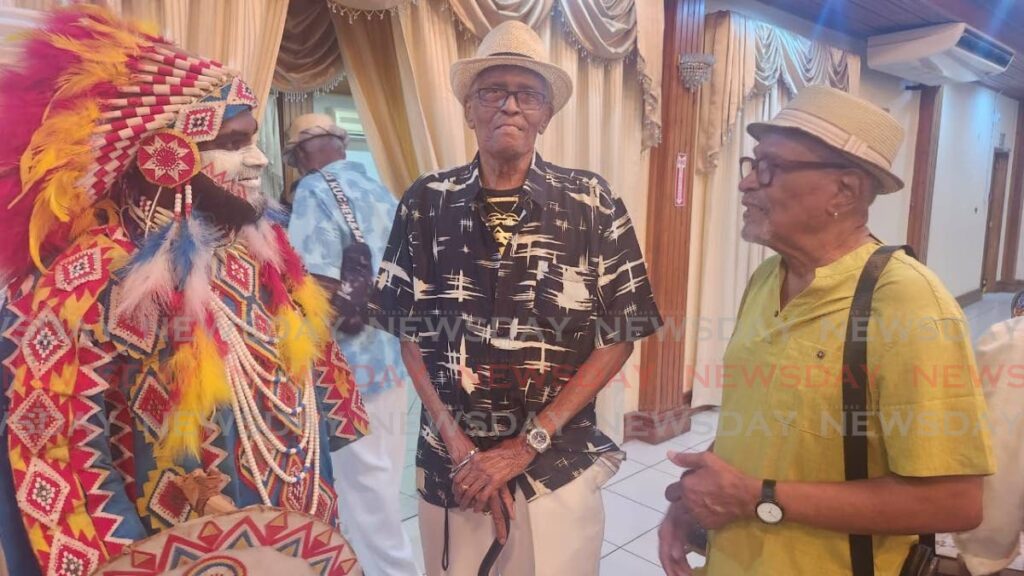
(1016,202)
(668,225)
(923,181)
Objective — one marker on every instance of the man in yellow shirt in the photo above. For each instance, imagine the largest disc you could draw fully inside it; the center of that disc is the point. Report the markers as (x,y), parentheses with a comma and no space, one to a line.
(773,490)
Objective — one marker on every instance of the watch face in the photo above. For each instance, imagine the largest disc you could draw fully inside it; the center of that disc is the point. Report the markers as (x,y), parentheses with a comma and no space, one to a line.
(769,512)
(538,438)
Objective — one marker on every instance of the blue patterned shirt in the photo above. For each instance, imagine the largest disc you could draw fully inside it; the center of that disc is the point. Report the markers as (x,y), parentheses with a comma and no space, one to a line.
(320,234)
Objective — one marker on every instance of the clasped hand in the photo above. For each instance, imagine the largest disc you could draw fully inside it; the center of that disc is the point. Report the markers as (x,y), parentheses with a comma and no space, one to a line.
(482,482)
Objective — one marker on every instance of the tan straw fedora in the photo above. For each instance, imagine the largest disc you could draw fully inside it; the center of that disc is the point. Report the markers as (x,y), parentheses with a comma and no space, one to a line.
(310,126)
(863,132)
(516,44)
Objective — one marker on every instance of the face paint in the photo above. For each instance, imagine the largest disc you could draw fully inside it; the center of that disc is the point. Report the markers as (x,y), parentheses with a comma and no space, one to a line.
(238,172)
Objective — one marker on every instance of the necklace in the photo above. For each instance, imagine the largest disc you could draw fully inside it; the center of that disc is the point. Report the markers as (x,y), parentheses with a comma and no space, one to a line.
(247,379)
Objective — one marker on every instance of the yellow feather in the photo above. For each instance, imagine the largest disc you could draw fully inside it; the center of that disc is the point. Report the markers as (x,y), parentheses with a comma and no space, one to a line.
(298,350)
(316,308)
(62,141)
(214,388)
(183,429)
(84,76)
(197,371)
(41,223)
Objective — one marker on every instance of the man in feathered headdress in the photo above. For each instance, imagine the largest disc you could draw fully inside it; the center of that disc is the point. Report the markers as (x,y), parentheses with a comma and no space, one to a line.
(158,321)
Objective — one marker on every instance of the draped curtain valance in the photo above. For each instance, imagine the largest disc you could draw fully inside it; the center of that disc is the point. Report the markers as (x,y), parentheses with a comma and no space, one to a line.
(599,29)
(751,58)
(309,59)
(604,28)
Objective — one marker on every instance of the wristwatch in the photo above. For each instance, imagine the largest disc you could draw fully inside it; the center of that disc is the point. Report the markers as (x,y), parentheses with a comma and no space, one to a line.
(768,509)
(537,437)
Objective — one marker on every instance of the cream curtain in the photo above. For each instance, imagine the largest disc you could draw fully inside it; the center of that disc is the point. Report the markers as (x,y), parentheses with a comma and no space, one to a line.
(650,40)
(427,44)
(758,68)
(14,21)
(243,34)
(371,63)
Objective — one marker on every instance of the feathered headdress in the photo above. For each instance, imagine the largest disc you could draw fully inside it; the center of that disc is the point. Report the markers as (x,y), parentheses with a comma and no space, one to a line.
(89,90)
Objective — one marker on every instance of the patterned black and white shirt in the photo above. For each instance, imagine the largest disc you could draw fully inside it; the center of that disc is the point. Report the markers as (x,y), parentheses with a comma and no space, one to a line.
(503,331)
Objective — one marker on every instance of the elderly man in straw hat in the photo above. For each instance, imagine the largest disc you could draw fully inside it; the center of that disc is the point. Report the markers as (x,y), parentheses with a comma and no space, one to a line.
(819,455)
(340,223)
(517,288)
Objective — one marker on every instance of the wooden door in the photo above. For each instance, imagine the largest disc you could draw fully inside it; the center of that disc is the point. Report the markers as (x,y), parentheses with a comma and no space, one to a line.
(994,223)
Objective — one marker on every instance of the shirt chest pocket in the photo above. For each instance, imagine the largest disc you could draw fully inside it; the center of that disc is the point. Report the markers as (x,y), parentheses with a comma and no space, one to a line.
(563,297)
(807,388)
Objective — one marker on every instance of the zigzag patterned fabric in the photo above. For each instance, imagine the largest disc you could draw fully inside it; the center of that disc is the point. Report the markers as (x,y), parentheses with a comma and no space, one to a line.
(134,355)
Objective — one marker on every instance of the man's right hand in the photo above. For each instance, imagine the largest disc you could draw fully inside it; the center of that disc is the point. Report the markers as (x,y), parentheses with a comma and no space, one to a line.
(457,443)
(672,541)
(459,446)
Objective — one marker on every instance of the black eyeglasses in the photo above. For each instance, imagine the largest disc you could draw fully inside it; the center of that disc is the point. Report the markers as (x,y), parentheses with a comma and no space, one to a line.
(528,100)
(766,167)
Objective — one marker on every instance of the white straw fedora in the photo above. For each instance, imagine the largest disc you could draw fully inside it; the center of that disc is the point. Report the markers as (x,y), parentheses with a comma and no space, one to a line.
(863,132)
(516,44)
(310,126)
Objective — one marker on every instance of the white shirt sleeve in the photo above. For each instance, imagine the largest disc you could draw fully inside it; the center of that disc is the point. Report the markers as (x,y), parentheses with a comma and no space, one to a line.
(994,544)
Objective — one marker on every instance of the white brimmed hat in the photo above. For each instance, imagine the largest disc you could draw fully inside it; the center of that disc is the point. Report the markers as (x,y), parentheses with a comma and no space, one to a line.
(863,132)
(512,43)
(310,126)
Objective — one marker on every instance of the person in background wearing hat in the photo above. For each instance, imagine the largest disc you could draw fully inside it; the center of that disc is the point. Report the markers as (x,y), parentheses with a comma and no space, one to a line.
(995,544)
(369,490)
(772,488)
(517,288)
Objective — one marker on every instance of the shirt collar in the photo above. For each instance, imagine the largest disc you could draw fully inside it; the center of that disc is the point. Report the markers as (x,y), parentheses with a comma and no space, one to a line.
(537,187)
(345,165)
(852,261)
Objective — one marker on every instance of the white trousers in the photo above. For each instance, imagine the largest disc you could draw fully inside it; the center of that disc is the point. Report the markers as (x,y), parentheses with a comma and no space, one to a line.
(368,478)
(557,534)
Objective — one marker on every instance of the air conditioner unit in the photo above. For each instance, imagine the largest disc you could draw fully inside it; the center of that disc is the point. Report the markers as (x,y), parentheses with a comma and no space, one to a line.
(939,54)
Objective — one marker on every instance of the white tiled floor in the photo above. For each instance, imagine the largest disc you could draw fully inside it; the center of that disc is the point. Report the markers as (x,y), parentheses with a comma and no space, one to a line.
(634,501)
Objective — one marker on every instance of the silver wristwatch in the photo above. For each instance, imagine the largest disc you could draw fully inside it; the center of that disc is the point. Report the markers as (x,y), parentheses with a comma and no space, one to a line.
(537,437)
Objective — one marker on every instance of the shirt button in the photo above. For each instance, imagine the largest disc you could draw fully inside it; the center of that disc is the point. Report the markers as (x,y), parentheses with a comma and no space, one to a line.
(820,354)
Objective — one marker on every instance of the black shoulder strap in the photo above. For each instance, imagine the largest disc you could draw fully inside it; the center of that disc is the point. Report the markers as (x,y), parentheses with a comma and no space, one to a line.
(855,396)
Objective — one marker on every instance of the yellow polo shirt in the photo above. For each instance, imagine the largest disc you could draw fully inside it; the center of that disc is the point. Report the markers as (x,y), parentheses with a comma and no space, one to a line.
(782,404)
